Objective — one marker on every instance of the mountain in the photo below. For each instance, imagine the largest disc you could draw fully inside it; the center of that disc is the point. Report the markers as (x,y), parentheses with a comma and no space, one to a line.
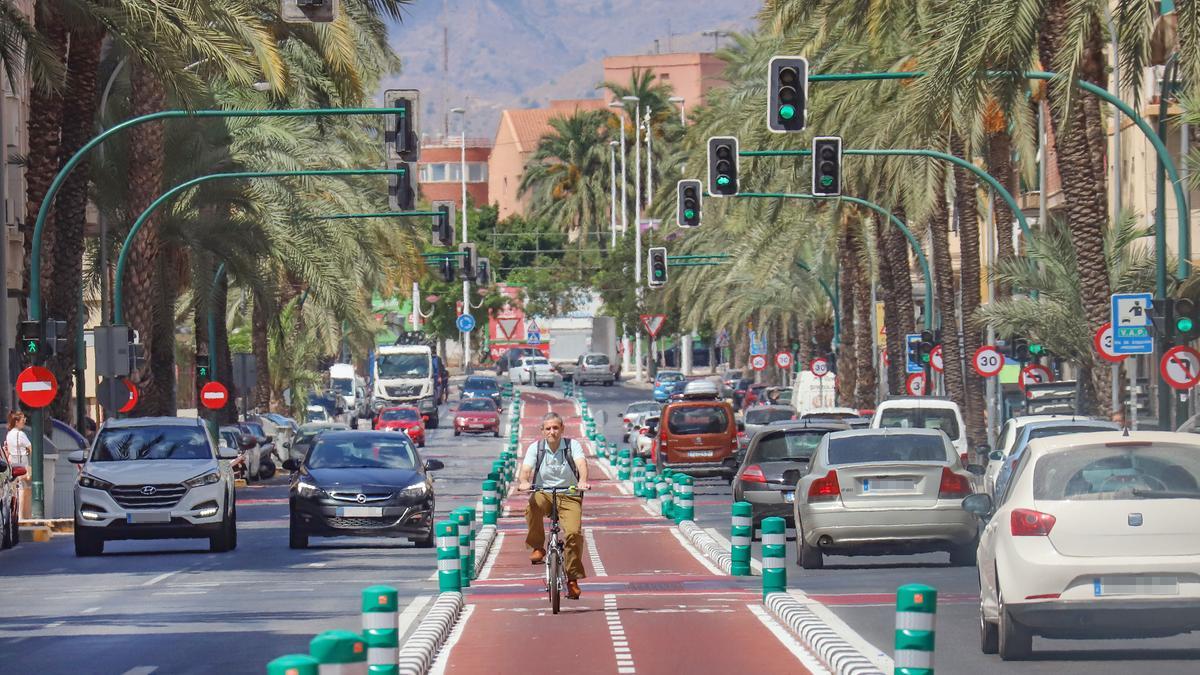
(486,55)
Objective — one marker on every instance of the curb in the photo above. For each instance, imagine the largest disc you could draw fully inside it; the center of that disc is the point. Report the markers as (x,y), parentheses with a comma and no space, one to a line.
(707,545)
(54,525)
(417,654)
(841,657)
(483,546)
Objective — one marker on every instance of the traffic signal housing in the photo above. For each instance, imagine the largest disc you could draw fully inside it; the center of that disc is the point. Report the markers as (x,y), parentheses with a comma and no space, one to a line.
(827,166)
(787,92)
(137,356)
(443,224)
(690,201)
(929,340)
(1187,320)
(446,266)
(402,191)
(203,372)
(467,262)
(30,336)
(483,272)
(656,267)
(402,136)
(1019,349)
(723,166)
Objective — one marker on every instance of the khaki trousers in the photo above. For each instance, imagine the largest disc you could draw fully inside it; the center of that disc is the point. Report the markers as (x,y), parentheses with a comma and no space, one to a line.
(570,519)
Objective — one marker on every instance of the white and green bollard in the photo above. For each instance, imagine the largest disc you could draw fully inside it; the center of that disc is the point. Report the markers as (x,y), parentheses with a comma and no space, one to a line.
(472,523)
(774,552)
(664,497)
(339,652)
(449,580)
(293,664)
(459,516)
(740,536)
(649,482)
(491,502)
(685,506)
(623,465)
(380,631)
(636,474)
(916,611)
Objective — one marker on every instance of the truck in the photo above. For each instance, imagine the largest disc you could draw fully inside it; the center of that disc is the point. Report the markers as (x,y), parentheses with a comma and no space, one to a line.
(575,337)
(404,374)
(350,388)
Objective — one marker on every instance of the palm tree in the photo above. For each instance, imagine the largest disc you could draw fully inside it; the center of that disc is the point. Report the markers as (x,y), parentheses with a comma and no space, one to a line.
(567,175)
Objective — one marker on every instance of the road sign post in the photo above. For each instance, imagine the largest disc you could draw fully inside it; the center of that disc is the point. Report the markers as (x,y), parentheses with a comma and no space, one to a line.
(653,323)
(36,387)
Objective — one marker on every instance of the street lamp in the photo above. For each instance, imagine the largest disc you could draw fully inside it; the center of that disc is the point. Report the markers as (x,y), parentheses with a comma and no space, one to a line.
(637,222)
(624,173)
(466,336)
(679,100)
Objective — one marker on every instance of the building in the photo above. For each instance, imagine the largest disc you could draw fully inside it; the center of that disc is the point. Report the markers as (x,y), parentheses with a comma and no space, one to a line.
(689,74)
(440,170)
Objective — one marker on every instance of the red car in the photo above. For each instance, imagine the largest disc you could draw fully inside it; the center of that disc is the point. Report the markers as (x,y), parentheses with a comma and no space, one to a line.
(404,418)
(476,416)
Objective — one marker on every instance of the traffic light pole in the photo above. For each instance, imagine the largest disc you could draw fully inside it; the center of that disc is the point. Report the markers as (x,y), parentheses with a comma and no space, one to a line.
(213,361)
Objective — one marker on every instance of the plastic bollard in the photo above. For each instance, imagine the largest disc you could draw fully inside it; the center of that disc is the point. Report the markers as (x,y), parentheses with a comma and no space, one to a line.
(773,555)
(916,613)
(449,577)
(470,511)
(664,497)
(380,631)
(623,465)
(636,475)
(339,652)
(739,536)
(649,482)
(459,516)
(685,509)
(293,664)
(491,502)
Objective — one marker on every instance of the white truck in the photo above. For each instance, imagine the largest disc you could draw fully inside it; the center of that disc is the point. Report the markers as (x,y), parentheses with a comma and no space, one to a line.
(350,388)
(574,337)
(404,375)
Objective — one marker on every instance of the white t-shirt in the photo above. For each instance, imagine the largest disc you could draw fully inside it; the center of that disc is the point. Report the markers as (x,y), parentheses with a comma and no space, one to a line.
(18,446)
(555,473)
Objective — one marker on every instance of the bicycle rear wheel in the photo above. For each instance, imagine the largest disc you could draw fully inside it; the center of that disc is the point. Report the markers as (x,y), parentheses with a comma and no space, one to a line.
(555,568)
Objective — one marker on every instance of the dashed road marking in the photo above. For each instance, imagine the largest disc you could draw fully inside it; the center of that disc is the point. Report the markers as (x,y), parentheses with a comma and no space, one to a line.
(53,624)
(160,577)
(90,610)
(594,553)
(141,670)
(317,564)
(616,632)
(195,592)
(789,641)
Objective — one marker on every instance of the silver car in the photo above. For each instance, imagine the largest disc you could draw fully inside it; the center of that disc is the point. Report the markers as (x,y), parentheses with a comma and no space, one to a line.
(880,491)
(635,415)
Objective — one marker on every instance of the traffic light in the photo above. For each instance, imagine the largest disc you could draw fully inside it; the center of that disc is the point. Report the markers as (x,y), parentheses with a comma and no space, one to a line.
(308,11)
(925,347)
(483,272)
(203,373)
(443,223)
(787,93)
(137,356)
(1187,320)
(1019,349)
(402,192)
(468,262)
(30,336)
(58,340)
(402,137)
(723,166)
(689,203)
(827,166)
(447,268)
(657,267)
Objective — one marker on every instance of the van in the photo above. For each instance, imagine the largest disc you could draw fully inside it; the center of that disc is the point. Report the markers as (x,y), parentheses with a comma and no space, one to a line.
(697,436)
(923,412)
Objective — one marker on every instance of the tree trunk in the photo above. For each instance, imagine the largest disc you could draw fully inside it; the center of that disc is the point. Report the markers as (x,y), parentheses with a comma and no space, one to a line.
(939,226)
(847,364)
(1080,146)
(966,204)
(999,164)
(259,337)
(865,382)
(896,282)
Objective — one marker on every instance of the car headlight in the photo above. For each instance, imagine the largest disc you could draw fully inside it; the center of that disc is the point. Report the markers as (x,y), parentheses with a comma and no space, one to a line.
(305,488)
(90,481)
(203,479)
(414,491)
(460,420)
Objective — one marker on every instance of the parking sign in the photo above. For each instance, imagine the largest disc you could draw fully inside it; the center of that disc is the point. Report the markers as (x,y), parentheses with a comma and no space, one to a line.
(1131,323)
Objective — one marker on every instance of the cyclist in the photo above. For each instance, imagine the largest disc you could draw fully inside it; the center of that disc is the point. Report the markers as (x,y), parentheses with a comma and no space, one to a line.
(556,462)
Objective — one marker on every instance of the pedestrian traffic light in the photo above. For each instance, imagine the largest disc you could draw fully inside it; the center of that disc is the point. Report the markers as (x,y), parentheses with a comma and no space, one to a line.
(443,223)
(657,267)
(30,337)
(402,193)
(827,166)
(203,373)
(787,92)
(308,11)
(447,268)
(467,263)
(483,272)
(401,137)
(1187,320)
(58,340)
(689,203)
(722,166)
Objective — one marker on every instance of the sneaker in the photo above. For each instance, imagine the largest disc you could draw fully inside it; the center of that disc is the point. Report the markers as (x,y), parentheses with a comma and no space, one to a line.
(538,556)
(573,590)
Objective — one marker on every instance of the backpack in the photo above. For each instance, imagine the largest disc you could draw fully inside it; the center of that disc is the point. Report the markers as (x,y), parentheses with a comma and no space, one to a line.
(541,453)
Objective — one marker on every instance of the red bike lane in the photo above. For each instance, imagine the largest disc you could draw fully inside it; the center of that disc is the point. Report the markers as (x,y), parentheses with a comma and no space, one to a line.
(649,605)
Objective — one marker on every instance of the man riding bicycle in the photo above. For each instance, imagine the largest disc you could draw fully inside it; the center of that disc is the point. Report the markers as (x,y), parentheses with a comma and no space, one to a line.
(556,462)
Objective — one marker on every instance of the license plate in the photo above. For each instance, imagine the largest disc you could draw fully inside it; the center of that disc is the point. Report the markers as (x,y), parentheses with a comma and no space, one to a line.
(135,518)
(1135,584)
(699,453)
(884,484)
(789,497)
(475,426)
(360,511)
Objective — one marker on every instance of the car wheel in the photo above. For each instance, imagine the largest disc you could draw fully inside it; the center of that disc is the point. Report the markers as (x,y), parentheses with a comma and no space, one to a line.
(1014,641)
(266,471)
(5,529)
(809,557)
(964,556)
(14,535)
(433,422)
(297,538)
(220,542)
(457,432)
(426,541)
(496,433)
(87,544)
(989,634)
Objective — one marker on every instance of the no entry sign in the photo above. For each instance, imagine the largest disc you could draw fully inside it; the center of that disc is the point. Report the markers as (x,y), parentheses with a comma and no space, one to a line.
(1103,341)
(758,361)
(134,395)
(1180,367)
(915,384)
(935,359)
(1034,373)
(819,367)
(214,396)
(988,361)
(36,387)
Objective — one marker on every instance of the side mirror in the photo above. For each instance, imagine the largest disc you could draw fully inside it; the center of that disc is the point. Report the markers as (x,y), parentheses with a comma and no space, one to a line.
(741,426)
(979,504)
(434,465)
(77,457)
(226,452)
(3,466)
(976,469)
(18,471)
(291,465)
(995,456)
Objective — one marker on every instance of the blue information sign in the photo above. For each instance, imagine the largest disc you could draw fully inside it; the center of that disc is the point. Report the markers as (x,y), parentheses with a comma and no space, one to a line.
(465,323)
(1131,323)
(910,342)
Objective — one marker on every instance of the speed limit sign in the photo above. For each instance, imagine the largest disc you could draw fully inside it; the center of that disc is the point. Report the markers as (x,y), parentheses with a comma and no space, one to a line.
(783,360)
(758,362)
(819,367)
(1103,341)
(935,359)
(988,361)
(915,384)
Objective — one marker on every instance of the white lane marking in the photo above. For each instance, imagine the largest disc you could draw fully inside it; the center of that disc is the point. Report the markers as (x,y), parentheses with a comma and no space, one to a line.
(607,471)
(725,543)
(703,560)
(616,633)
(497,546)
(443,655)
(789,641)
(90,610)
(411,613)
(203,592)
(141,670)
(53,624)
(594,553)
(624,488)
(164,575)
(317,564)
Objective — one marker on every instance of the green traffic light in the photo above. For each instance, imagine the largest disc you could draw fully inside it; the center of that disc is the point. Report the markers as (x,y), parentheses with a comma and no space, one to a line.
(689,214)
(925,358)
(31,347)
(1184,325)
(826,181)
(787,111)
(658,273)
(1036,349)
(722,180)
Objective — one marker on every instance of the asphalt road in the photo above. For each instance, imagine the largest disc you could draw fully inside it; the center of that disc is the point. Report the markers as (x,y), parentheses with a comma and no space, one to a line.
(173,607)
(861,591)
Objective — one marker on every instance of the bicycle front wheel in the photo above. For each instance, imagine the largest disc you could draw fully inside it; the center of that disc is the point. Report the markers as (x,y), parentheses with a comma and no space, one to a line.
(555,567)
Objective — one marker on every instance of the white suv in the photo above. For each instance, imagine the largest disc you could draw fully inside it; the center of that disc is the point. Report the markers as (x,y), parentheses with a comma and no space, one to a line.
(923,412)
(154,478)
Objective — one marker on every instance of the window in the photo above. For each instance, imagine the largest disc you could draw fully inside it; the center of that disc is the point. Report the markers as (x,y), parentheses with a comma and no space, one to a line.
(476,172)
(860,449)
(942,419)
(151,442)
(1150,471)
(400,415)
(437,173)
(390,366)
(370,452)
(454,172)
(768,415)
(698,420)
(787,446)
(596,360)
(477,405)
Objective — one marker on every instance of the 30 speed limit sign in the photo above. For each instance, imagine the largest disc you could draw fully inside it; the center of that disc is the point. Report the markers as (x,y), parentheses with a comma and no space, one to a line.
(988,361)
(1103,341)
(915,384)
(819,367)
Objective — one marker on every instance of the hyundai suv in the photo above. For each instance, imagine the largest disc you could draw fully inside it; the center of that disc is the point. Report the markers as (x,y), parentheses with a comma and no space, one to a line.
(154,478)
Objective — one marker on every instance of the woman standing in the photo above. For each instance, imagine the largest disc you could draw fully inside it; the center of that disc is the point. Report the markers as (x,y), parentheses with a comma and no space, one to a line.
(17,447)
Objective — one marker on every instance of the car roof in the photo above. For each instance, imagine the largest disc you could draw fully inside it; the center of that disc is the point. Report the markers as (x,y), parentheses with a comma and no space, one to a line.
(1053,444)
(792,425)
(400,407)
(132,422)
(340,434)
(316,426)
(696,402)
(888,431)
(479,378)
(770,406)
(1068,422)
(916,402)
(817,412)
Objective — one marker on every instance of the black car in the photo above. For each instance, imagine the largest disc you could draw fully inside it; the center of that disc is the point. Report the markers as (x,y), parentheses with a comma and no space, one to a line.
(776,459)
(481,387)
(361,484)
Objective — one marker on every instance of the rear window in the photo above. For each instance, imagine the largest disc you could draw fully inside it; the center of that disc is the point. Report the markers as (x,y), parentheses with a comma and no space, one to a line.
(482,383)
(800,444)
(768,415)
(698,420)
(536,361)
(1047,432)
(597,360)
(889,448)
(669,377)
(942,419)
(1144,472)
(477,405)
(116,445)
(644,407)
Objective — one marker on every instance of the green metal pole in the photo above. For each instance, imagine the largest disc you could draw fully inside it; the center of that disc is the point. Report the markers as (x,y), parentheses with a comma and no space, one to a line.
(837,311)
(212,340)
(127,246)
(386,214)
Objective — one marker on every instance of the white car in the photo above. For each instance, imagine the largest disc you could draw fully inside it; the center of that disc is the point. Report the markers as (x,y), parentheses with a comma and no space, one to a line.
(646,435)
(535,370)
(635,414)
(154,478)
(923,412)
(1005,442)
(1098,537)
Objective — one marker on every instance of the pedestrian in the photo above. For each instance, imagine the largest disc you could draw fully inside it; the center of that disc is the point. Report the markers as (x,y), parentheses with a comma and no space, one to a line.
(17,449)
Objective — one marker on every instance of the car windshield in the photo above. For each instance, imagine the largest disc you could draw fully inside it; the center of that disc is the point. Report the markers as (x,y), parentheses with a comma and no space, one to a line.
(666,377)
(942,419)
(596,360)
(366,451)
(402,415)
(393,366)
(831,415)
(799,444)
(480,383)
(768,415)
(342,386)
(151,442)
(255,428)
(643,407)
(867,448)
(477,405)
(697,420)
(1141,472)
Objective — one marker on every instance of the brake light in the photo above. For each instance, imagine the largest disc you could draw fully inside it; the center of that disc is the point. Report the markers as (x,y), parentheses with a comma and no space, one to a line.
(825,489)
(964,458)
(1030,523)
(953,485)
(753,474)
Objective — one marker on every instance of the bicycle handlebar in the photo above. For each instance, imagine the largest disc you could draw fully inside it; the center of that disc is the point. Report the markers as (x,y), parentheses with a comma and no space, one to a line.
(553,491)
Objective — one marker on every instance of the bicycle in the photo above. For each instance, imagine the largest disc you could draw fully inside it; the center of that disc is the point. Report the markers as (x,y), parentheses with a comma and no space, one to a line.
(556,573)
